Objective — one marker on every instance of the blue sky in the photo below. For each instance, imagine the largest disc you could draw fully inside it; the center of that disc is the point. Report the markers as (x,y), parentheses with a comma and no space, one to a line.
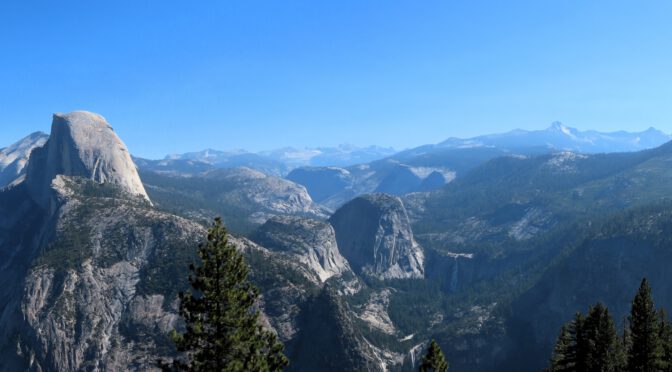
(176,76)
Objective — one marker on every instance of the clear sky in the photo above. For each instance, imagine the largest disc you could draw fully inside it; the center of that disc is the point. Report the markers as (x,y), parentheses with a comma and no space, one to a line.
(177,76)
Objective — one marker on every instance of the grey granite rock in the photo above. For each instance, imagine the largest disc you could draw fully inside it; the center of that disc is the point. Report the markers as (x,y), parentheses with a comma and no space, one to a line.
(82,144)
(312,242)
(374,233)
(13,159)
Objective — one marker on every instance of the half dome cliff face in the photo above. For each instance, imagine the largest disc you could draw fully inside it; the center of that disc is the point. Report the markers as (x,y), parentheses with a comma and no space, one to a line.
(83,144)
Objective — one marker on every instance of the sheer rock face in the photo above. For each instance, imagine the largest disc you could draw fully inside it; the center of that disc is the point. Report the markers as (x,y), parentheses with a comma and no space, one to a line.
(312,242)
(374,233)
(13,159)
(87,295)
(85,320)
(102,293)
(82,144)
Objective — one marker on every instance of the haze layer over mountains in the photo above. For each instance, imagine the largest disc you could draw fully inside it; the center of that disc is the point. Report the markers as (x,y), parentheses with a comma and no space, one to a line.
(557,137)
(334,176)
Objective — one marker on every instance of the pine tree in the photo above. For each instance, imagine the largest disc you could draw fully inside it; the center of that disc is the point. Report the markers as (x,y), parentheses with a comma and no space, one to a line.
(581,342)
(222,328)
(564,353)
(434,360)
(646,351)
(626,340)
(604,352)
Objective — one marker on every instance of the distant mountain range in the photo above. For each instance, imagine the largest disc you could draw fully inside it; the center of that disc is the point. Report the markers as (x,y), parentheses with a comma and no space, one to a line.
(335,175)
(280,161)
(429,167)
(557,137)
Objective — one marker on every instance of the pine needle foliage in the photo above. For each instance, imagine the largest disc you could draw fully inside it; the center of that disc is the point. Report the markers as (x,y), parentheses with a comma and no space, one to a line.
(646,351)
(564,352)
(434,360)
(222,327)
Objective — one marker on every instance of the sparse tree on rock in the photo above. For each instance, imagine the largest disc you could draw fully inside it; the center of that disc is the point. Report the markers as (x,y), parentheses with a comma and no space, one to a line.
(222,328)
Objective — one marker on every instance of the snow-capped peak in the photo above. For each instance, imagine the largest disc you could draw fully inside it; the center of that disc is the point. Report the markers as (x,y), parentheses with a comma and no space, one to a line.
(559,127)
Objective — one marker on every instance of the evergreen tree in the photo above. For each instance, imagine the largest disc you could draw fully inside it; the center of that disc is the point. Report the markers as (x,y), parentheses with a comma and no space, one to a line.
(222,328)
(665,333)
(604,352)
(626,340)
(434,360)
(581,342)
(646,351)
(564,353)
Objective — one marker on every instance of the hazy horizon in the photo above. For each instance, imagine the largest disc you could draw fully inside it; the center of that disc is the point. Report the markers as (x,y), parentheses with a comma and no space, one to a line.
(5,143)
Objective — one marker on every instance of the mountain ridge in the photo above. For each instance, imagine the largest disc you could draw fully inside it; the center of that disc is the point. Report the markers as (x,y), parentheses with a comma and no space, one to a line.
(13,158)
(410,170)
(561,137)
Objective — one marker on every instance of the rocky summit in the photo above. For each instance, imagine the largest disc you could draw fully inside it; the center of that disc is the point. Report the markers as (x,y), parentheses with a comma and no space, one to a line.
(374,234)
(82,144)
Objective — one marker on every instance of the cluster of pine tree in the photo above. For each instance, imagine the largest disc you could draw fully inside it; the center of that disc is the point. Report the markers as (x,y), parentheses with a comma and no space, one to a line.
(591,342)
